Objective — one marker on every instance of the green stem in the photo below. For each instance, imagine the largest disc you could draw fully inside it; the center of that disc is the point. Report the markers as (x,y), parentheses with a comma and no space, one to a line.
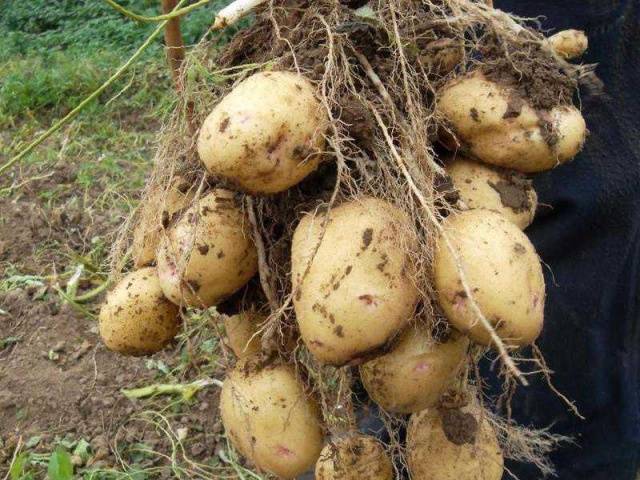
(85,297)
(73,113)
(156,18)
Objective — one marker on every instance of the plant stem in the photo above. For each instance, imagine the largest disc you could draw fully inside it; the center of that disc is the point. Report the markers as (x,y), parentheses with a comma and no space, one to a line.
(156,18)
(187,390)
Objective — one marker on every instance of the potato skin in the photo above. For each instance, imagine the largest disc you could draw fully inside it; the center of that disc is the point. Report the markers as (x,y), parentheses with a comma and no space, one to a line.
(415,372)
(503,191)
(270,419)
(214,239)
(357,293)
(146,234)
(136,318)
(481,115)
(240,329)
(502,270)
(437,450)
(266,135)
(354,457)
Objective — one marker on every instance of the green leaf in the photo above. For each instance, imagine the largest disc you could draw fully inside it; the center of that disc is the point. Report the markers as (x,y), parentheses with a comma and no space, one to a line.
(60,467)
(82,449)
(33,441)
(17,467)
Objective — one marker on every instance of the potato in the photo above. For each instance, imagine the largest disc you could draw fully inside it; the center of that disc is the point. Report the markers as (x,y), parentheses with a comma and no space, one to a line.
(241,333)
(208,253)
(146,234)
(498,127)
(354,457)
(266,135)
(357,293)
(270,418)
(415,373)
(503,191)
(136,318)
(453,444)
(569,43)
(503,273)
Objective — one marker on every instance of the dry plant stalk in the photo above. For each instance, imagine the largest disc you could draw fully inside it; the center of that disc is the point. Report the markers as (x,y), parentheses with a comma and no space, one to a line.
(378,78)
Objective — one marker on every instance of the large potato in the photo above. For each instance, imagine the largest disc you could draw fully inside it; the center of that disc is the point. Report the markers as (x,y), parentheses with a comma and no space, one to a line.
(503,273)
(208,253)
(266,135)
(357,292)
(241,330)
(498,127)
(271,419)
(136,318)
(354,457)
(415,373)
(504,191)
(159,209)
(455,444)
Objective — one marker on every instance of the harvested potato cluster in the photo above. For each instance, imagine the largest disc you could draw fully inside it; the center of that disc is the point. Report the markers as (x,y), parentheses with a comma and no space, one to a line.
(308,220)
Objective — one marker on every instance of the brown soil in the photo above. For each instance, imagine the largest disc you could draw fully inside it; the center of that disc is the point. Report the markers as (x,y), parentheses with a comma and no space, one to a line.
(536,76)
(514,192)
(57,380)
(459,427)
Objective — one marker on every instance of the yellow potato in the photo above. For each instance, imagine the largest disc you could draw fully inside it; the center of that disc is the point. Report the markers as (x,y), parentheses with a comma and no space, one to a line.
(455,444)
(160,208)
(503,273)
(357,293)
(503,191)
(569,43)
(271,419)
(136,318)
(496,126)
(241,333)
(266,135)
(354,457)
(415,373)
(208,253)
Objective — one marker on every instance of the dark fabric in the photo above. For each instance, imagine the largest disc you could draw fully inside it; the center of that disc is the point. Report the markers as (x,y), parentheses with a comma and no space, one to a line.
(589,237)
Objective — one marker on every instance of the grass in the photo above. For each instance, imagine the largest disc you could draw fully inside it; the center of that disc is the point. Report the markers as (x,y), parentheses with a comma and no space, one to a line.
(55,54)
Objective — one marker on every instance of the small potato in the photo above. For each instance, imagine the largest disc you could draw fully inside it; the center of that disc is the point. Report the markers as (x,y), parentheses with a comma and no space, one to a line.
(136,318)
(453,444)
(159,208)
(503,191)
(357,293)
(208,253)
(271,419)
(266,135)
(569,43)
(415,373)
(503,273)
(241,333)
(498,127)
(354,457)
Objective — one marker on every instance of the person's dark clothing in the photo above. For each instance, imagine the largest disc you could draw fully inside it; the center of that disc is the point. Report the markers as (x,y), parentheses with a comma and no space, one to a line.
(589,236)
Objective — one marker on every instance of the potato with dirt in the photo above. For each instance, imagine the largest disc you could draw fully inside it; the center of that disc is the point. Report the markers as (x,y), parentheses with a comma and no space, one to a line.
(503,191)
(569,44)
(136,318)
(494,124)
(266,135)
(502,272)
(156,213)
(453,444)
(415,372)
(356,292)
(270,418)
(208,253)
(242,332)
(354,457)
